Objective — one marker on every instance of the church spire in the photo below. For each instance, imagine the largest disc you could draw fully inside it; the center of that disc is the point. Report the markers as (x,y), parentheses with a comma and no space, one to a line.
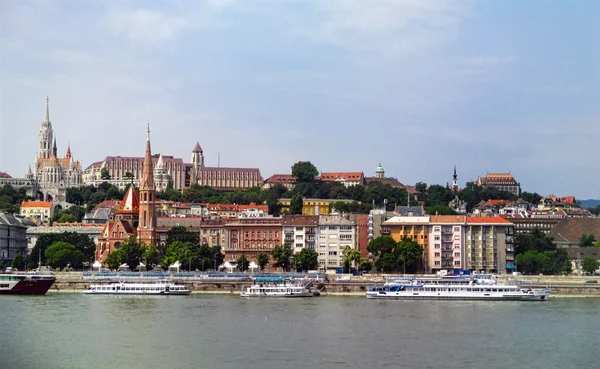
(68,154)
(146,230)
(47,115)
(147,180)
(54,149)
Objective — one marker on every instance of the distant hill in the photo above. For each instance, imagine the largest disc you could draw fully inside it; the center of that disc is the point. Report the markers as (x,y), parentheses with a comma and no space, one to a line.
(589,203)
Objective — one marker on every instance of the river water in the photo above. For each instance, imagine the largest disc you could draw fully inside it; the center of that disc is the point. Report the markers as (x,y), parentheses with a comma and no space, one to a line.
(214,331)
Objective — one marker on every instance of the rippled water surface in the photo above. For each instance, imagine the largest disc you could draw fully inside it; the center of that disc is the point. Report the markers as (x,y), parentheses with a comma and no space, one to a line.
(208,331)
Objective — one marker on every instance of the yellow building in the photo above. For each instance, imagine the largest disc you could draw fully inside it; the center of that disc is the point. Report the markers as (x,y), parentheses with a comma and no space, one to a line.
(415,228)
(312,206)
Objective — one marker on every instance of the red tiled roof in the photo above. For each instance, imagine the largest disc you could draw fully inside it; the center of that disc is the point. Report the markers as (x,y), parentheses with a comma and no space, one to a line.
(36,204)
(447,219)
(223,169)
(281,178)
(300,220)
(495,202)
(348,176)
(487,220)
(4,175)
(107,204)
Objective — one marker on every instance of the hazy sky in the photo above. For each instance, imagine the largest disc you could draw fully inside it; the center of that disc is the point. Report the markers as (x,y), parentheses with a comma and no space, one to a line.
(488,86)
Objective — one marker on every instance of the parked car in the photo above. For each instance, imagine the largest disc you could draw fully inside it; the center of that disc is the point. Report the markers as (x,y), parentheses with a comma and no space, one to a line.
(591,281)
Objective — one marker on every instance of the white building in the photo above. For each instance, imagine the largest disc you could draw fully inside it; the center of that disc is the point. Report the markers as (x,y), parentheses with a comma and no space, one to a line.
(300,231)
(13,240)
(334,234)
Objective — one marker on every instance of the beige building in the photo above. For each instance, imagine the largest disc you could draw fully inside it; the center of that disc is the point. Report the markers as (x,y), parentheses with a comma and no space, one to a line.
(446,242)
(300,231)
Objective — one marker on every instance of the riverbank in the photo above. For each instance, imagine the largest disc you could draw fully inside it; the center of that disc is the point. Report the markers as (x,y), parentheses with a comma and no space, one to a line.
(351,288)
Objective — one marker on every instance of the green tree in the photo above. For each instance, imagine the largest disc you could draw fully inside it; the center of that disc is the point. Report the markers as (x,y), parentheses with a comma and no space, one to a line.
(307,259)
(366,264)
(151,257)
(128,175)
(114,259)
(66,218)
(60,254)
(185,252)
(104,175)
(180,233)
(262,260)
(351,255)
(282,256)
(242,263)
(381,245)
(132,252)
(81,241)
(532,198)
(304,171)
(19,263)
(387,263)
(296,204)
(587,240)
(440,210)
(589,264)
(567,268)
(408,253)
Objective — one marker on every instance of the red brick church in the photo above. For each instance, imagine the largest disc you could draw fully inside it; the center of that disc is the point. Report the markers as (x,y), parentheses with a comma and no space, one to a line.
(135,216)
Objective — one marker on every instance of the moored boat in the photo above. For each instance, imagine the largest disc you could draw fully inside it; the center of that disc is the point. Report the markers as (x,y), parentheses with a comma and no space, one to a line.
(455,289)
(163,287)
(25,283)
(279,287)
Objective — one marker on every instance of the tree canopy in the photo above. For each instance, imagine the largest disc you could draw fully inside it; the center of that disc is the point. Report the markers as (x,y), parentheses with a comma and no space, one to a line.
(589,264)
(307,259)
(304,171)
(62,254)
(282,256)
(536,253)
(81,242)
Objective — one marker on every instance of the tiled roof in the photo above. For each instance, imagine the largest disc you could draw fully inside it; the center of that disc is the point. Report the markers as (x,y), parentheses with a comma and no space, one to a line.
(488,220)
(4,175)
(224,170)
(348,176)
(197,148)
(281,178)
(36,204)
(570,229)
(130,203)
(407,220)
(252,205)
(170,222)
(300,220)
(334,220)
(496,202)
(498,178)
(448,219)
(107,204)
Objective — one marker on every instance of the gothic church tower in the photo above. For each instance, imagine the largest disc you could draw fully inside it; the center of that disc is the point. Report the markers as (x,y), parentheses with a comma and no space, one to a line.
(46,135)
(146,230)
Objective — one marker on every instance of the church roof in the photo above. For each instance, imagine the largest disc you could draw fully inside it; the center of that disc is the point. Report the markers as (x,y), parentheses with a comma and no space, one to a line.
(130,203)
(36,204)
(4,175)
(197,148)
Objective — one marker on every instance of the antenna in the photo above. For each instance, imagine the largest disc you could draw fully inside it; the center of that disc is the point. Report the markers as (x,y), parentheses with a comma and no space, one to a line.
(218,159)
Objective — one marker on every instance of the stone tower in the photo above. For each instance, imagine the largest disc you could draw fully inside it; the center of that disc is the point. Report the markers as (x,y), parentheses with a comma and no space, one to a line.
(197,163)
(46,135)
(146,230)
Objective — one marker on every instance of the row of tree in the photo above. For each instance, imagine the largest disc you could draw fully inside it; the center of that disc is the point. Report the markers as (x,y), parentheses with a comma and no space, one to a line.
(536,253)
(391,256)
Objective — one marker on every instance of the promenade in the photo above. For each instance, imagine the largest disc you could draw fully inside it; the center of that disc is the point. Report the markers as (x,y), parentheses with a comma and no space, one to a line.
(561,286)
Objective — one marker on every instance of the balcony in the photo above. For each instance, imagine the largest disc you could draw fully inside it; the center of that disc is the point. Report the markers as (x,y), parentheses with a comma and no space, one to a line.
(310,231)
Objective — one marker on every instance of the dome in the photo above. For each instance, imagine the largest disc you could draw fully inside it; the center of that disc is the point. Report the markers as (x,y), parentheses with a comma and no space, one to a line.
(379,169)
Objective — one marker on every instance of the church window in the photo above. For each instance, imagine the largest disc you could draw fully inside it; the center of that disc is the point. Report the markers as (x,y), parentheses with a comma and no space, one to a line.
(145,218)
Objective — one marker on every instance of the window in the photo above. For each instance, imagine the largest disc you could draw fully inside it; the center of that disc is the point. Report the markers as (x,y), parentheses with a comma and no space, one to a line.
(436,229)
(457,254)
(437,246)
(323,228)
(456,229)
(437,263)
(437,254)
(332,228)
(437,238)
(332,253)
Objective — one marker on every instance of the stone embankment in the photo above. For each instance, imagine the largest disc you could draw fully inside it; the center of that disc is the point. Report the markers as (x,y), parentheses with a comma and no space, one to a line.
(561,286)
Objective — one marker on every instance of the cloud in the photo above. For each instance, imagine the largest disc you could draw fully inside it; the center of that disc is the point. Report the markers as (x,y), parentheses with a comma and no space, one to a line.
(146,25)
(397,27)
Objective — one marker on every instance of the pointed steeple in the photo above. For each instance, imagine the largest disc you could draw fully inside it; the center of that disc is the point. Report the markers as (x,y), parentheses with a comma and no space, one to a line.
(54,150)
(197,148)
(68,154)
(130,202)
(160,164)
(147,180)
(47,115)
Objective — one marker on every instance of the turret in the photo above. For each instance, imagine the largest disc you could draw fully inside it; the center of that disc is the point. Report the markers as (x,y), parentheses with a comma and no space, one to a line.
(46,135)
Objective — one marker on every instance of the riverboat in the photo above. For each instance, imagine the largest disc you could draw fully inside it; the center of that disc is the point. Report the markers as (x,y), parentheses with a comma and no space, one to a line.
(479,288)
(278,287)
(162,287)
(25,283)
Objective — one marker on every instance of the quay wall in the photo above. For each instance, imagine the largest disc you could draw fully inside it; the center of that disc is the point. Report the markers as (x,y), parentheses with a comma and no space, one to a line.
(71,283)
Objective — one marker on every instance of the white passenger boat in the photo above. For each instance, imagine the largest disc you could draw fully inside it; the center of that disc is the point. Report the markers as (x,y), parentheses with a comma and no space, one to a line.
(278,287)
(478,288)
(163,287)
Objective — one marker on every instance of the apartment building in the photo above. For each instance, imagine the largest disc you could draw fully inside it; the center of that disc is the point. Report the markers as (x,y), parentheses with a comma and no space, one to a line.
(446,242)
(300,231)
(334,234)
(489,244)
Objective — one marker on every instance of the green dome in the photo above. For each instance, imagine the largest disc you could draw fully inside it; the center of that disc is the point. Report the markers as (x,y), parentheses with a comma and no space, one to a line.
(379,169)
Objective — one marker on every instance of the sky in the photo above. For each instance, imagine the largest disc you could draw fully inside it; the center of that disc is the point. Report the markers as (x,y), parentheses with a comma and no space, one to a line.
(419,86)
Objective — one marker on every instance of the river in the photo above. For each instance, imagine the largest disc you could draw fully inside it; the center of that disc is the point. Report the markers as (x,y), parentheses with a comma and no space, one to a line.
(62,330)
